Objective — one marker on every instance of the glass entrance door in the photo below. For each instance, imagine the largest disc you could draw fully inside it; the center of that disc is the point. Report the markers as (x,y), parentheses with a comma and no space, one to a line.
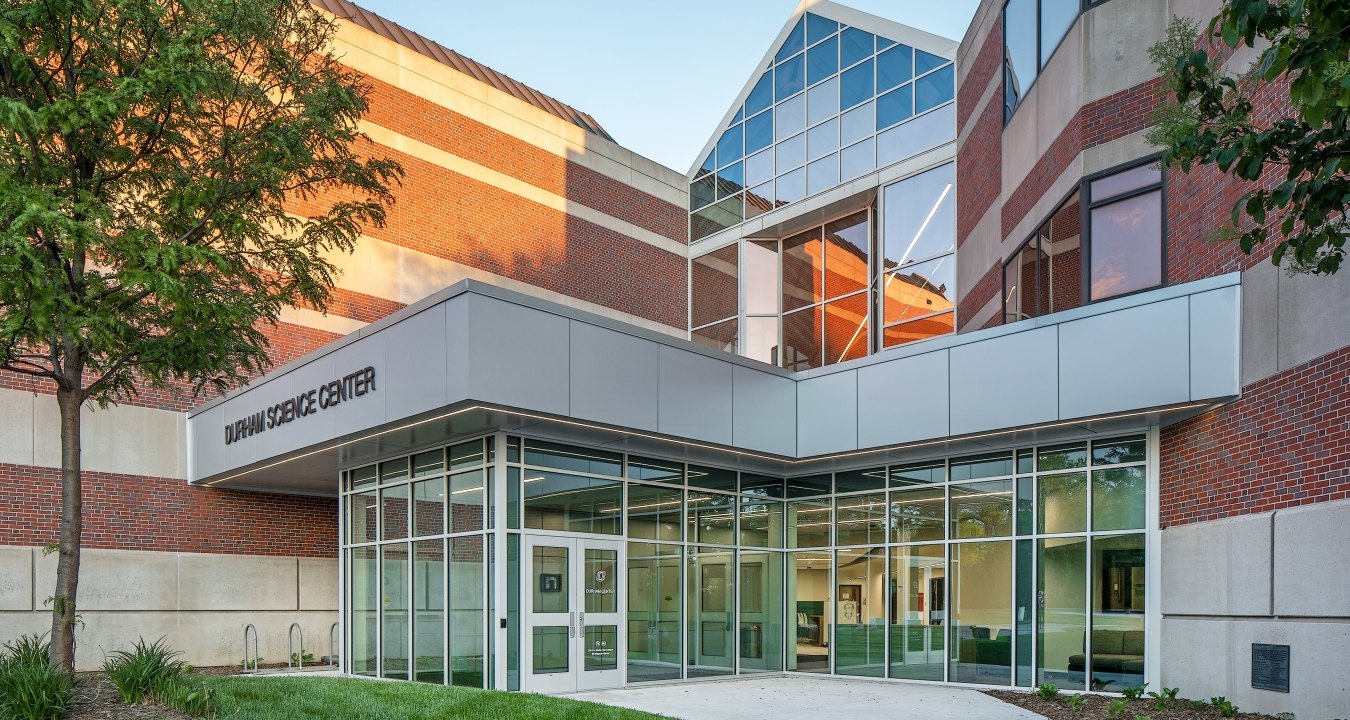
(572,614)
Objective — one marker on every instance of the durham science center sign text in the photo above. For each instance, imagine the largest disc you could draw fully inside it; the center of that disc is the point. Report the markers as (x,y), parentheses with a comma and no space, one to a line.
(310,402)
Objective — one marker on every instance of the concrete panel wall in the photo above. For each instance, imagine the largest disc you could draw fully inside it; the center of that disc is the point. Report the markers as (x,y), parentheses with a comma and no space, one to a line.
(16,578)
(1312,572)
(1218,568)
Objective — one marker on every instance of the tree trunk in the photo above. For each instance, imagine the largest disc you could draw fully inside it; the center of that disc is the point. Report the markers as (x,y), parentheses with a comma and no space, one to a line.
(62,651)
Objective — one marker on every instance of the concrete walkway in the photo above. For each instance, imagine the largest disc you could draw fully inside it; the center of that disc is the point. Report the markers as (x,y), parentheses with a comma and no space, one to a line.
(808,698)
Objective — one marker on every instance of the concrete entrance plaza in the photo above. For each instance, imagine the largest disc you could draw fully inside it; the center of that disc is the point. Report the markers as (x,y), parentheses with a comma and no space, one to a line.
(803,698)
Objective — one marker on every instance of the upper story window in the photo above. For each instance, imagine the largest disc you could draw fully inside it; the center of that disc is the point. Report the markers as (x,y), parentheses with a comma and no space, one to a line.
(1105,240)
(835,103)
(1032,30)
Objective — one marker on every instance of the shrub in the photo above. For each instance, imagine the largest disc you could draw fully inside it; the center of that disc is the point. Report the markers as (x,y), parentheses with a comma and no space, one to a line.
(190,697)
(143,670)
(1135,692)
(1116,708)
(1164,699)
(31,688)
(1077,702)
(1047,691)
(1225,707)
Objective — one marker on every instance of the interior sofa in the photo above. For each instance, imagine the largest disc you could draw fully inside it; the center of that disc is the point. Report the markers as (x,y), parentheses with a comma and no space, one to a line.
(1119,651)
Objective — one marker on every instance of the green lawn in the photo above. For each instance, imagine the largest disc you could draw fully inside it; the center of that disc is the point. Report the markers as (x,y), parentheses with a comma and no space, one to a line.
(326,698)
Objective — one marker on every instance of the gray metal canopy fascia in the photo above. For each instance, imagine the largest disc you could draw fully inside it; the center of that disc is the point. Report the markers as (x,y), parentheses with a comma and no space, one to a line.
(476,358)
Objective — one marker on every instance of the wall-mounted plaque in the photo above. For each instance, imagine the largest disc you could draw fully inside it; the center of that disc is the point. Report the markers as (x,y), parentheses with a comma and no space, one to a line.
(550,582)
(1270,667)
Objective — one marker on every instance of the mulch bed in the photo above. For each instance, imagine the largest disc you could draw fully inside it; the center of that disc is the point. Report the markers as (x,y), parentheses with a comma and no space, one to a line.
(104,703)
(1095,708)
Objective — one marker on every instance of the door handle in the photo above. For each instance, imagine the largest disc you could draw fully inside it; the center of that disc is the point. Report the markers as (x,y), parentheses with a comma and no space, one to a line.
(581,625)
(571,627)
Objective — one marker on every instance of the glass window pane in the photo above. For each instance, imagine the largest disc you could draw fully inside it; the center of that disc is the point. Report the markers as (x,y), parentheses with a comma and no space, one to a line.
(808,485)
(761,523)
(571,457)
(761,277)
(915,330)
(796,40)
(721,336)
(1021,283)
(858,123)
(918,514)
(1127,245)
(654,612)
(1124,181)
(702,192)
(856,86)
(789,119)
(1063,503)
(918,611)
(809,597)
(822,61)
(1061,277)
(920,474)
(713,297)
(801,339)
(803,263)
(790,153)
(818,27)
(654,512)
(364,585)
(822,101)
(1118,570)
(895,106)
(1019,51)
(759,200)
(759,167)
(920,289)
(640,468)
(1025,602)
(1118,498)
(550,649)
(761,485)
(854,480)
(761,97)
(429,611)
(846,333)
(983,509)
(758,133)
(894,67)
(981,466)
(601,582)
(911,138)
(860,519)
(394,470)
(730,145)
(789,78)
(857,160)
(1061,575)
(513,498)
(361,517)
(822,139)
(428,463)
(730,180)
(715,218)
(467,497)
(919,217)
(394,585)
(1120,450)
(933,89)
(981,599)
(854,46)
(1025,504)
(1057,17)
(1062,457)
(362,476)
(883,43)
(761,611)
(1024,461)
(860,612)
(558,501)
(791,187)
(394,512)
(761,339)
(924,62)
(822,174)
(712,518)
(469,454)
(712,478)
(712,602)
(808,523)
(846,255)
(428,507)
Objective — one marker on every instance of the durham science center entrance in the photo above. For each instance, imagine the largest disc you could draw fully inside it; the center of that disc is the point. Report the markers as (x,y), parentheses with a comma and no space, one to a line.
(573,612)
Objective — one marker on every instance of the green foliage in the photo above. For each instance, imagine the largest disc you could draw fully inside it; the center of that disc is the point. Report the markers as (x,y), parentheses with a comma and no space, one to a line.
(191,697)
(143,670)
(1077,702)
(1134,692)
(306,660)
(1302,156)
(31,687)
(1164,699)
(1225,707)
(1116,708)
(1047,691)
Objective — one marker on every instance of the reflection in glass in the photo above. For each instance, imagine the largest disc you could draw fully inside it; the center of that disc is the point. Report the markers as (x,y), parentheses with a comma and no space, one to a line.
(551,650)
(803,265)
(429,611)
(808,523)
(361,477)
(365,603)
(822,61)
(1117,611)
(428,463)
(551,575)
(920,289)
(789,119)
(730,145)
(846,332)
(711,478)
(712,518)
(761,96)
(822,139)
(895,106)
(558,501)
(856,86)
(1124,182)
(761,588)
(795,41)
(790,153)
(802,338)
(467,491)
(712,279)
(922,329)
(761,523)
(1120,450)
(791,187)
(761,339)
(640,468)
(760,199)
(895,66)
(758,135)
(918,611)
(601,581)
(1118,498)
(822,174)
(653,612)
(789,77)
(860,519)
(920,474)
(361,517)
(1019,51)
(808,485)
(1024,593)
(712,592)
(809,600)
(761,277)
(1063,503)
(854,45)
(860,611)
(857,123)
(721,336)
(982,509)
(1061,571)
(981,466)
(715,218)
(846,255)
(759,168)
(919,217)
(818,27)
(918,514)
(654,512)
(1061,279)
(394,512)
(730,180)
(924,62)
(911,138)
(934,89)
(857,159)
(394,615)
(855,480)
(1126,245)
(1020,284)
(981,612)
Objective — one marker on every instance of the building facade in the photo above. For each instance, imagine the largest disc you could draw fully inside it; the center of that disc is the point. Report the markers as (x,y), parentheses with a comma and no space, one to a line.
(924,371)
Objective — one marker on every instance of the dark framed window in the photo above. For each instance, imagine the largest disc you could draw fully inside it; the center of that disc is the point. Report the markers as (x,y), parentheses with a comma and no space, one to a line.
(1106,239)
(1032,31)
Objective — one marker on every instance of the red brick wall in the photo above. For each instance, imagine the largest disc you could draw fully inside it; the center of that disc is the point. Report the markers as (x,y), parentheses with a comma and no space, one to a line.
(128,512)
(1285,443)
(989,285)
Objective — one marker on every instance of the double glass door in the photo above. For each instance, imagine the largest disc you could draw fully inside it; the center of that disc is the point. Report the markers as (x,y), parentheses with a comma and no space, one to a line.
(574,607)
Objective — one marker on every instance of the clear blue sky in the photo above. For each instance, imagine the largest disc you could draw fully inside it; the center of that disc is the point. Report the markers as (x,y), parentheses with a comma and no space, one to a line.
(658,75)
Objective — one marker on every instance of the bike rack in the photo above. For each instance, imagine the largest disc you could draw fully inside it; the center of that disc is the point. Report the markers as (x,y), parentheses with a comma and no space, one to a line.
(250,629)
(332,645)
(294,659)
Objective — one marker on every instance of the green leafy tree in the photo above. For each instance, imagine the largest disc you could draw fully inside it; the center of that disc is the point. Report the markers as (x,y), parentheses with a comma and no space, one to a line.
(150,153)
(1215,120)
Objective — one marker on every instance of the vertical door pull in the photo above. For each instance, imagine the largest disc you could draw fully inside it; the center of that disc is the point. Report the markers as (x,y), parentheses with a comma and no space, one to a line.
(571,626)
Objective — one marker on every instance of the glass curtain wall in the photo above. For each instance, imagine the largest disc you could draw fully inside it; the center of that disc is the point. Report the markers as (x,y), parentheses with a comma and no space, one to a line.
(1012,568)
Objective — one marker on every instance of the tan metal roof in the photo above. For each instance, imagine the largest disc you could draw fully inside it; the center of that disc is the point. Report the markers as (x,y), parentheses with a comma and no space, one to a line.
(444,55)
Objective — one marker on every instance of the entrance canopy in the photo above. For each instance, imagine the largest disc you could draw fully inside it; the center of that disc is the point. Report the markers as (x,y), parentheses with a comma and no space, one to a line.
(475,357)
